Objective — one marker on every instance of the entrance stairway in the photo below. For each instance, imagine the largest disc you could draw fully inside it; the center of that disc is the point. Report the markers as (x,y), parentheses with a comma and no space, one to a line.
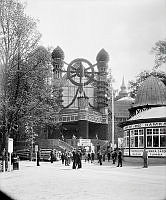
(57,144)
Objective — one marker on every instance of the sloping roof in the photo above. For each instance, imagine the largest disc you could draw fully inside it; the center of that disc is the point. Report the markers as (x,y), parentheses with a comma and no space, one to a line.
(156,112)
(151,92)
(128,99)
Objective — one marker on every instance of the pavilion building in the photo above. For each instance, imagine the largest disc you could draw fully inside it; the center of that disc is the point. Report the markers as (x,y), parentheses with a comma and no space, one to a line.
(146,127)
(82,115)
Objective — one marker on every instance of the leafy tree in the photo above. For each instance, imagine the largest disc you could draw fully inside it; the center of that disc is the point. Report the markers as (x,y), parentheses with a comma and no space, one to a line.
(160,53)
(134,85)
(25,90)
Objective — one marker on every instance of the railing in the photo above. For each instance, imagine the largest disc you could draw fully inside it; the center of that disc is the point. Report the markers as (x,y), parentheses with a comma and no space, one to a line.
(55,144)
(65,145)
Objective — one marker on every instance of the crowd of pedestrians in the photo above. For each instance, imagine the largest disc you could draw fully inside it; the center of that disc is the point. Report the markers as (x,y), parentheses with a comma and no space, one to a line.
(75,157)
(116,155)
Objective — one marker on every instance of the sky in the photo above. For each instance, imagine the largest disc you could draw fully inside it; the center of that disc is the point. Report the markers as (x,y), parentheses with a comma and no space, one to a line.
(126,29)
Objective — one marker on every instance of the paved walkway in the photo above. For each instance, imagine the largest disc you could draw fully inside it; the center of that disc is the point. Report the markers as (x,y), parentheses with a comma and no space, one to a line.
(92,182)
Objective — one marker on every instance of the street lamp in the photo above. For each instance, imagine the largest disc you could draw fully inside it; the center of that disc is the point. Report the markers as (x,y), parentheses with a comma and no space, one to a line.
(113,114)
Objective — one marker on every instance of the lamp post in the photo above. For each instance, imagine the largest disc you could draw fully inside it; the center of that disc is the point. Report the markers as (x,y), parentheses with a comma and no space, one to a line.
(113,115)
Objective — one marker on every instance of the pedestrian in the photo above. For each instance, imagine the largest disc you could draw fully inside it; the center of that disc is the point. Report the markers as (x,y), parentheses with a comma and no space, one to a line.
(62,158)
(100,157)
(74,159)
(38,158)
(92,156)
(85,156)
(89,157)
(78,163)
(98,154)
(119,158)
(79,157)
(66,158)
(114,156)
(108,156)
(104,156)
(51,156)
(145,158)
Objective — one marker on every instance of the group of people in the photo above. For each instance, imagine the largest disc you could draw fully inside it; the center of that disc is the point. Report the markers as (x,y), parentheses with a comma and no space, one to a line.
(89,156)
(66,157)
(116,155)
(75,157)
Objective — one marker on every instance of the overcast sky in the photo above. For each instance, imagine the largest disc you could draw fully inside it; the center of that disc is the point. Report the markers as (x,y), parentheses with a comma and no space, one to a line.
(126,29)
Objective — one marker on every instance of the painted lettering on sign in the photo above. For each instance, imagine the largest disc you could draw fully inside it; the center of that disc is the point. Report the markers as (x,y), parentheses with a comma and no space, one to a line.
(151,152)
(126,152)
(152,124)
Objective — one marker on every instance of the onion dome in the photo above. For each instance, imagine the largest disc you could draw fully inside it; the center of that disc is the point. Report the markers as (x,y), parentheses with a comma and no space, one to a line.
(102,56)
(151,92)
(58,53)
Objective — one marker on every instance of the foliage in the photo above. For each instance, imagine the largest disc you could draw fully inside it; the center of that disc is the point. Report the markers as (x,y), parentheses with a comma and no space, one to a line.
(25,89)
(160,53)
(134,85)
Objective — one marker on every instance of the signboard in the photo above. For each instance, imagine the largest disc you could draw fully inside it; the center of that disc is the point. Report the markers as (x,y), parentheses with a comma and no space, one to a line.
(36,148)
(10,145)
(136,152)
(84,142)
(120,142)
(152,124)
(151,152)
(157,152)
(126,152)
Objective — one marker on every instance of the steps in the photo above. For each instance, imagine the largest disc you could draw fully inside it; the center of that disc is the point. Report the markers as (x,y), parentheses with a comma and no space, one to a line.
(57,144)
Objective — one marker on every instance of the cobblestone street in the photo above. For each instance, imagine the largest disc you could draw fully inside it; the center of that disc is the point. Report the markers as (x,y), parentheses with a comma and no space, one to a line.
(108,182)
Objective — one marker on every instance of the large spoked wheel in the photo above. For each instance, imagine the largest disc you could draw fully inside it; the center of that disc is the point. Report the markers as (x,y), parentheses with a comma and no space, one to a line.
(80,72)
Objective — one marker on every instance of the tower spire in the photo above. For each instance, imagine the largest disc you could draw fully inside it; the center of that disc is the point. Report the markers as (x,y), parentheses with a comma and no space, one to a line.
(123,91)
(123,83)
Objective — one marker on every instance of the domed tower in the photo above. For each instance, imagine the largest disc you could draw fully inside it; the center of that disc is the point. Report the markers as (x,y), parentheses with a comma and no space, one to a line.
(57,62)
(152,93)
(102,85)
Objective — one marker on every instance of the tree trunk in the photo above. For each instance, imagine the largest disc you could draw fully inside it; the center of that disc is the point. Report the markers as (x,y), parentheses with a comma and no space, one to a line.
(6,149)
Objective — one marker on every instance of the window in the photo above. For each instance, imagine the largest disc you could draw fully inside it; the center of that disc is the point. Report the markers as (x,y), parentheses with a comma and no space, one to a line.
(141,138)
(162,137)
(132,144)
(156,137)
(126,139)
(149,137)
(137,138)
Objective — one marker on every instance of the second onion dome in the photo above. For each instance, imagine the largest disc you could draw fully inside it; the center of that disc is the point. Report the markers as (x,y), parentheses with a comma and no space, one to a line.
(102,56)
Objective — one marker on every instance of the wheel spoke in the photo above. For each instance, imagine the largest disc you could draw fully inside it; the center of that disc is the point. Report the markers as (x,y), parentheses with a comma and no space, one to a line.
(74,67)
(80,79)
(86,75)
(82,69)
(73,75)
